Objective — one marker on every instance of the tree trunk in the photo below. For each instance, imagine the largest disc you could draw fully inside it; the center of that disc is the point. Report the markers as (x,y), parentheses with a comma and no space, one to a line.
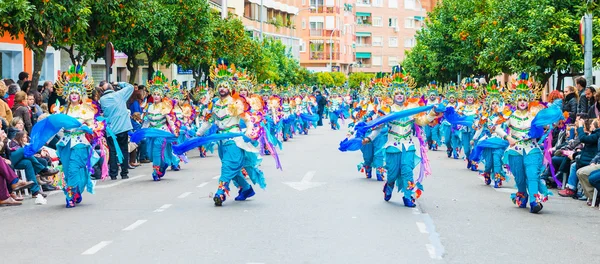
(38,62)
(150,69)
(132,67)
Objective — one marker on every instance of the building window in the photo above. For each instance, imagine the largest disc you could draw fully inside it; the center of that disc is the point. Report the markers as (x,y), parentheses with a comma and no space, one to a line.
(11,63)
(392,61)
(409,23)
(378,3)
(393,3)
(98,72)
(376,60)
(303,46)
(303,2)
(409,43)
(393,22)
(393,42)
(47,68)
(377,22)
(303,23)
(377,41)
(344,49)
(409,4)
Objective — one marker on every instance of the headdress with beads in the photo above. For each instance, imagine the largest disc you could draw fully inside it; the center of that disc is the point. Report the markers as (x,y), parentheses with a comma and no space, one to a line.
(431,89)
(158,83)
(524,88)
(401,82)
(494,92)
(175,91)
(200,92)
(223,75)
(75,80)
(452,90)
(244,81)
(469,88)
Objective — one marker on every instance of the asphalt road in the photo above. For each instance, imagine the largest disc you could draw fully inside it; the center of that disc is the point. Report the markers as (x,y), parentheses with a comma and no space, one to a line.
(319,209)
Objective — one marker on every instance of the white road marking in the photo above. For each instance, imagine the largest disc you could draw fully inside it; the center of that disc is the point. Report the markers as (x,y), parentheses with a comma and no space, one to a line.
(119,182)
(431,251)
(93,250)
(162,208)
(135,225)
(305,183)
(416,211)
(183,195)
(216,177)
(202,184)
(422,228)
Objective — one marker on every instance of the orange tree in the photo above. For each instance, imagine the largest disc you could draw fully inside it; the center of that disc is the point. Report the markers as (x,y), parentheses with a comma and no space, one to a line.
(43,23)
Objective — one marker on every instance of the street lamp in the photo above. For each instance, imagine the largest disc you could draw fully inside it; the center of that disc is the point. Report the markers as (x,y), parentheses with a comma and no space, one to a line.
(331,46)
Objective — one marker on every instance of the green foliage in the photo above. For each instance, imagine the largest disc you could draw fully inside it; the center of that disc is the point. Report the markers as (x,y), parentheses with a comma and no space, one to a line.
(325,78)
(339,79)
(43,23)
(356,78)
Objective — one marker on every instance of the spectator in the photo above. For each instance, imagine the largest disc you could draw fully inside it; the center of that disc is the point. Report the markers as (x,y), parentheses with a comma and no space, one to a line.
(26,86)
(53,98)
(8,178)
(32,165)
(590,93)
(570,103)
(20,109)
(589,151)
(103,85)
(45,112)
(36,110)
(582,106)
(321,102)
(135,102)
(17,125)
(12,90)
(46,90)
(114,107)
(23,77)
(554,98)
(5,111)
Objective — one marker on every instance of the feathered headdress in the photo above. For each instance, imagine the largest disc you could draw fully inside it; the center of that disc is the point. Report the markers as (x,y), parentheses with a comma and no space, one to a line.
(452,90)
(469,88)
(75,80)
(379,85)
(158,84)
(401,82)
(245,81)
(266,88)
(431,89)
(222,75)
(175,91)
(200,92)
(494,92)
(524,88)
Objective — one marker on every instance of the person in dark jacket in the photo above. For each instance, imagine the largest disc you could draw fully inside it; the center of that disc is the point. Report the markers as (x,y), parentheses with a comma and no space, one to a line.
(570,103)
(22,110)
(582,107)
(589,151)
(590,94)
(321,102)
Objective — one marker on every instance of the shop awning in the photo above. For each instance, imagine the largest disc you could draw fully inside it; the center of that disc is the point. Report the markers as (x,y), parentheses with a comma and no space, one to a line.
(363,55)
(363,34)
(363,14)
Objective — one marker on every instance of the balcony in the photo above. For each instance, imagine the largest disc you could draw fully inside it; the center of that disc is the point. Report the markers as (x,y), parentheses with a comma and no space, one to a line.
(324,9)
(324,33)
(363,45)
(324,55)
(357,65)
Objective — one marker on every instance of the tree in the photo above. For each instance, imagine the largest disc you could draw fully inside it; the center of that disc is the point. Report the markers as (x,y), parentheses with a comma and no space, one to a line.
(43,23)
(90,45)
(357,78)
(193,37)
(324,78)
(339,79)
(538,37)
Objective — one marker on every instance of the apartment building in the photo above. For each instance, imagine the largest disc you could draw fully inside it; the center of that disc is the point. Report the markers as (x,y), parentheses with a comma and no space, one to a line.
(327,29)
(278,20)
(15,57)
(385,29)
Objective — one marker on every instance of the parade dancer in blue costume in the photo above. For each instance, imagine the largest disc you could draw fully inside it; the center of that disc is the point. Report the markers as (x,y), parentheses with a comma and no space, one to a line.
(490,118)
(372,152)
(203,98)
(432,131)
(524,154)
(335,109)
(288,119)
(470,108)
(158,115)
(238,157)
(75,148)
(448,130)
(400,150)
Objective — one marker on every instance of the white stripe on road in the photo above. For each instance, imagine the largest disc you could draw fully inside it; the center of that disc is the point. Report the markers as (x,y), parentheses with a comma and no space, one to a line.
(93,250)
(118,182)
(416,211)
(183,195)
(202,184)
(162,208)
(431,250)
(216,177)
(422,228)
(135,225)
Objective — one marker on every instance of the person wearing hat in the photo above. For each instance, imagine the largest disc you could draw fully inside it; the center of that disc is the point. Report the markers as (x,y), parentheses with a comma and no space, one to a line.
(451,138)
(432,131)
